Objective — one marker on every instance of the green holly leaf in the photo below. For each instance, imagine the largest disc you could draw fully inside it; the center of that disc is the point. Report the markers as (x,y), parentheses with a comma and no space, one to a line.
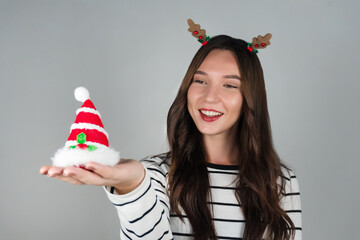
(81,138)
(92,148)
(72,147)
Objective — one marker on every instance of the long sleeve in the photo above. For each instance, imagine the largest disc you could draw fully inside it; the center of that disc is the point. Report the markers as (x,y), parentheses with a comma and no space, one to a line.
(144,212)
(291,203)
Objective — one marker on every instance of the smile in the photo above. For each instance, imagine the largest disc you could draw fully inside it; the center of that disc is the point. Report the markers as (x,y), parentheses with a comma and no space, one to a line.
(210,115)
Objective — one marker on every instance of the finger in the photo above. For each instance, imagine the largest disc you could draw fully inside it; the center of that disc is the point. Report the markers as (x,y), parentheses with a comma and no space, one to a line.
(84,176)
(55,171)
(102,170)
(44,170)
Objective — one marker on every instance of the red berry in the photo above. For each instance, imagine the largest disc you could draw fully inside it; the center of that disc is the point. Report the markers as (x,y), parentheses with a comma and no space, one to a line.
(263,44)
(200,37)
(82,146)
(256,45)
(195,32)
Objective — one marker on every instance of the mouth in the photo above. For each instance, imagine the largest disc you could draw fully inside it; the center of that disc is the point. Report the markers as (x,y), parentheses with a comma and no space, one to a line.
(210,115)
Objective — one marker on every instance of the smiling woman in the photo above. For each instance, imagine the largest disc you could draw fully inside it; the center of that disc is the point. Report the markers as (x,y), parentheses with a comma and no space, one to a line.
(222,178)
(226,77)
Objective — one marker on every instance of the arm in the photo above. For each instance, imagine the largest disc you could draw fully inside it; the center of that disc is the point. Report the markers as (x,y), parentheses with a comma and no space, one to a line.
(144,212)
(291,203)
(138,194)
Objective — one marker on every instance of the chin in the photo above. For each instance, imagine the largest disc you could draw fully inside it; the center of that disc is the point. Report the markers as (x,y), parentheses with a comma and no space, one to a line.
(210,132)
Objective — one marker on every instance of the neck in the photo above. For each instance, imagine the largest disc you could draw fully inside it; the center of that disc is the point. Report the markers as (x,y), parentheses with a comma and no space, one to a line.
(221,149)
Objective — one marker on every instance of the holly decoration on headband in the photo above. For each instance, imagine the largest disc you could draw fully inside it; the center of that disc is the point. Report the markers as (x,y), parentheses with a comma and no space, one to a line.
(259,42)
(81,139)
(197,32)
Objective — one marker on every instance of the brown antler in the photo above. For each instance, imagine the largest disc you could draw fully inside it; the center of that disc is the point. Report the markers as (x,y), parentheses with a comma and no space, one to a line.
(195,30)
(261,41)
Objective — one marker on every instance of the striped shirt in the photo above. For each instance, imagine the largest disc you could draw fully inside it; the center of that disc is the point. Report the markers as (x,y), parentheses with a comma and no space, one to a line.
(145,212)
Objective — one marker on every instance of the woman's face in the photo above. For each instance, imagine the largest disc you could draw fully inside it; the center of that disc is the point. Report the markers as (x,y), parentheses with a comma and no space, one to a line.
(214,97)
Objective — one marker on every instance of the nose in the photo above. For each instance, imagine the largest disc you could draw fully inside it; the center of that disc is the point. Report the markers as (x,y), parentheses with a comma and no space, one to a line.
(212,94)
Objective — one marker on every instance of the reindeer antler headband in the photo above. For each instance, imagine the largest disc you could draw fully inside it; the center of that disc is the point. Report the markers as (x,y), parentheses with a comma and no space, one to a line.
(197,32)
(259,42)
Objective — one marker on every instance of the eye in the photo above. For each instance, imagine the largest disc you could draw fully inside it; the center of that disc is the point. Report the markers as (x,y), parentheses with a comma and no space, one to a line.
(199,81)
(230,86)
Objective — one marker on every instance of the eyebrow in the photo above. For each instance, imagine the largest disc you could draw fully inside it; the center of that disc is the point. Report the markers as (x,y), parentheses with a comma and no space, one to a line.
(226,76)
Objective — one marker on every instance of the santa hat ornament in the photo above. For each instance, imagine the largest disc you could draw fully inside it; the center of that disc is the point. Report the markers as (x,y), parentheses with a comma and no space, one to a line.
(88,140)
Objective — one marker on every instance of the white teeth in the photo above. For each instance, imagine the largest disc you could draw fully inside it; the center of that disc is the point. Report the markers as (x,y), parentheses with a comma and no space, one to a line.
(210,113)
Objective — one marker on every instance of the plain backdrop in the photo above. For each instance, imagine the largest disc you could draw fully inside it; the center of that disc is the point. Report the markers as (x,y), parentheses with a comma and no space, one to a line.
(132,56)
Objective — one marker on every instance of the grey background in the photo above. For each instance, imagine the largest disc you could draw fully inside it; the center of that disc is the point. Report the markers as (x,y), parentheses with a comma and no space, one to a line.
(132,56)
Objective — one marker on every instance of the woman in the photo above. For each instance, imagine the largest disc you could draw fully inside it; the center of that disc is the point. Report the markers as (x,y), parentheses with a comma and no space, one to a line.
(222,178)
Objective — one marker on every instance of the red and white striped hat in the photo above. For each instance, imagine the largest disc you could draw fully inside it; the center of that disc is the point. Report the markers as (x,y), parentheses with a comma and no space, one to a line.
(88,140)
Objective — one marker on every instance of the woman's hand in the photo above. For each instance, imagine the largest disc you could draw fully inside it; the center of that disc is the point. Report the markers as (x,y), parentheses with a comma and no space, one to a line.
(125,176)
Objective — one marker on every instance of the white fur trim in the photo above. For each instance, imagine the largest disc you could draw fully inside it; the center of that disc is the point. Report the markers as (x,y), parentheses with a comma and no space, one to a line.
(74,143)
(89,110)
(65,157)
(88,126)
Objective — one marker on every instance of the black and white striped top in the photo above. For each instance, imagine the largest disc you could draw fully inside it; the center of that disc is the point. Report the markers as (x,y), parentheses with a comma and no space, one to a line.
(144,213)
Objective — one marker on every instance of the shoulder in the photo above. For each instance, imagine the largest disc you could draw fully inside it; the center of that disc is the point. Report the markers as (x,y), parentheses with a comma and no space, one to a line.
(290,199)
(291,181)
(287,173)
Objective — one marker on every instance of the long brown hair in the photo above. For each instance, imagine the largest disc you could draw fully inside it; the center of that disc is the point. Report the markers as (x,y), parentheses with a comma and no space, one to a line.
(260,183)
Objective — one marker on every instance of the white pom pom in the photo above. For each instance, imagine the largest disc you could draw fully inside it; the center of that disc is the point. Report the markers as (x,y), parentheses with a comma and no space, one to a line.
(81,94)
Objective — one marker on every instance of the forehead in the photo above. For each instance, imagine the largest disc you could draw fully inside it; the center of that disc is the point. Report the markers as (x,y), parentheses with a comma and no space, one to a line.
(220,61)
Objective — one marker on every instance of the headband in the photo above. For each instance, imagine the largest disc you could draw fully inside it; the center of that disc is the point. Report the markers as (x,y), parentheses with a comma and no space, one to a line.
(259,42)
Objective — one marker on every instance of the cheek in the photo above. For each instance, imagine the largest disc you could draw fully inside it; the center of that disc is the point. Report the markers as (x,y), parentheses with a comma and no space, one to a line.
(192,95)
(235,103)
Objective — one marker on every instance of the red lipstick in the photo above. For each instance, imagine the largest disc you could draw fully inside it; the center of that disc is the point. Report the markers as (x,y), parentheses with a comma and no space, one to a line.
(209,118)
